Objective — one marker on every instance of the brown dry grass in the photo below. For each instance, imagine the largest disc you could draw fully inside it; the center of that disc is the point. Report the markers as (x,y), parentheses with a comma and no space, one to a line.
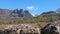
(2,27)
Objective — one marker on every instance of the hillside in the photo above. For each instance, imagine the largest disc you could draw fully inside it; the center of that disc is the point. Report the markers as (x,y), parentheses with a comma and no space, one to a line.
(49,16)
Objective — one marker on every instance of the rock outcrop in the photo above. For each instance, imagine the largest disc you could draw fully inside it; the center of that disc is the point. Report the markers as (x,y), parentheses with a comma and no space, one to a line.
(51,28)
(20,29)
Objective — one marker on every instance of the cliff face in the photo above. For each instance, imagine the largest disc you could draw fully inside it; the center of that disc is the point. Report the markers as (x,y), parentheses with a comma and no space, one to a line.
(5,13)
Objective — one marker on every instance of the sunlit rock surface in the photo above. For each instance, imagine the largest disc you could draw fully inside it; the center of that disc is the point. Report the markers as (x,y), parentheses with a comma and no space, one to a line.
(51,28)
(20,29)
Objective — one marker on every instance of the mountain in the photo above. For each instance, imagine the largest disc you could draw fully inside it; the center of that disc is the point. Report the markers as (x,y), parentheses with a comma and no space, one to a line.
(50,16)
(4,13)
(12,14)
(51,13)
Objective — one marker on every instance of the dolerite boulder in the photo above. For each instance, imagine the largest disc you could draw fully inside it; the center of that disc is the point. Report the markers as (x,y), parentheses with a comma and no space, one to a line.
(51,28)
(1,32)
(20,29)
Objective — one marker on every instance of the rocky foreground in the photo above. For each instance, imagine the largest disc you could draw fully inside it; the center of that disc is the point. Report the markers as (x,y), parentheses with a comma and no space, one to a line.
(51,28)
(20,29)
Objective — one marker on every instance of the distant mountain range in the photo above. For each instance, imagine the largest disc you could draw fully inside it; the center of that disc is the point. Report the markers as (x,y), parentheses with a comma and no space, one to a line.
(20,13)
(52,12)
(51,15)
(12,14)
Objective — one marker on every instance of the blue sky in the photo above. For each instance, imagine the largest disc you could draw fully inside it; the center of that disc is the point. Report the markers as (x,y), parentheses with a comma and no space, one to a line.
(34,6)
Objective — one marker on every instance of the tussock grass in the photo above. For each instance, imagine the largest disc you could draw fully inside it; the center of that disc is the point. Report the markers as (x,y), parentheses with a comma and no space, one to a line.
(2,27)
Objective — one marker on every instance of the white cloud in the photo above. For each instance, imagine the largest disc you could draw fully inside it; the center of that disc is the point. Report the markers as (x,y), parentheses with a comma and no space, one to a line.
(32,8)
(33,15)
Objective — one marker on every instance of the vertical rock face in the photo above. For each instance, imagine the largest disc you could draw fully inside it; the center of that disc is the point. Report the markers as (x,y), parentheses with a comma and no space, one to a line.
(5,13)
(51,28)
(21,13)
(27,13)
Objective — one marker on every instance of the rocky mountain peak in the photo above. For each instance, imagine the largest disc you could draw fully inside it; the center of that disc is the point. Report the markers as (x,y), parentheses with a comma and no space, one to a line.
(17,13)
